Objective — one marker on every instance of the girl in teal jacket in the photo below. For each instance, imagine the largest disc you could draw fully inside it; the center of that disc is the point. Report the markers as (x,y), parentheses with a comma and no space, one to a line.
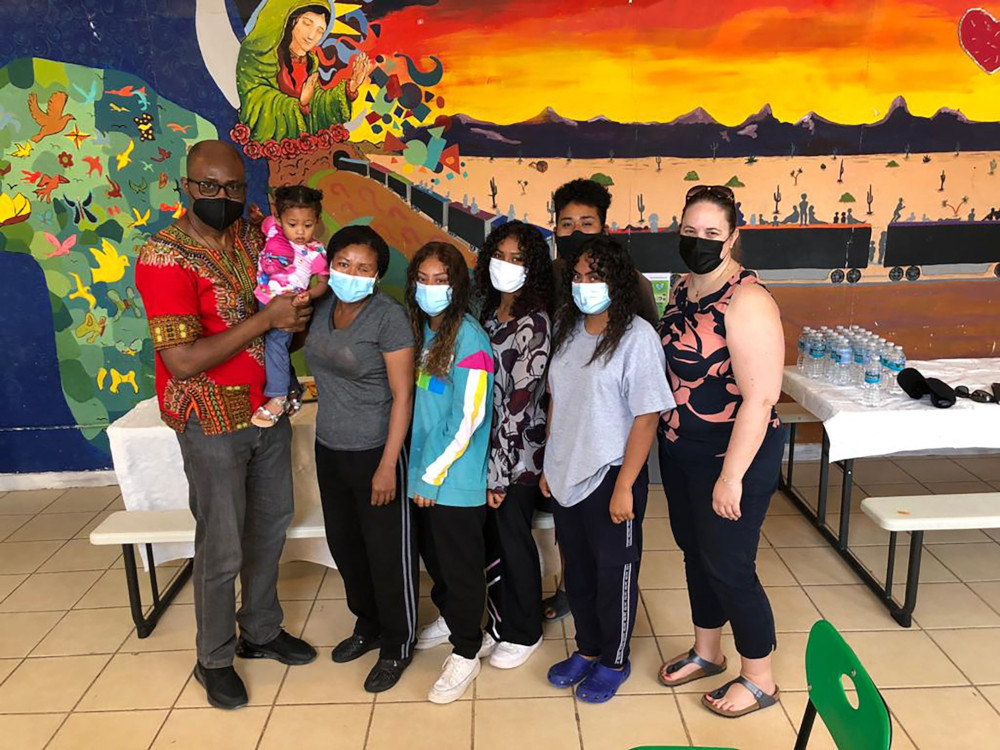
(449,449)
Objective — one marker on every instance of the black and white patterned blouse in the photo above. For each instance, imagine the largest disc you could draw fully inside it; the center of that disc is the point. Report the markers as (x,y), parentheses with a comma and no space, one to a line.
(521,352)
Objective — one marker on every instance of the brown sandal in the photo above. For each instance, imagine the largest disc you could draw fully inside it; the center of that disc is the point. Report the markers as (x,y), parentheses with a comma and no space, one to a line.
(707,669)
(761,699)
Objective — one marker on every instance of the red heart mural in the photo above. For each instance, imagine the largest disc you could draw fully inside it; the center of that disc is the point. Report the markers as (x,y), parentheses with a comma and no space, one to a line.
(979,35)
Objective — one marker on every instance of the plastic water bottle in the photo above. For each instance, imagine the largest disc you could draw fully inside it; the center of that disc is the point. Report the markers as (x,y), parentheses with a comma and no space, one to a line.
(897,363)
(871,387)
(803,348)
(858,370)
(845,361)
(817,356)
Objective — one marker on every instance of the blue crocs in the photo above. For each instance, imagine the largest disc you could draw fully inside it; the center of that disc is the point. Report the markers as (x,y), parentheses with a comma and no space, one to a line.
(570,671)
(602,683)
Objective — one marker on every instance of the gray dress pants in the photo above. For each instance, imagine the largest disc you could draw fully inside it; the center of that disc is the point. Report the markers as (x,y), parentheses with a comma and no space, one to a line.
(241,498)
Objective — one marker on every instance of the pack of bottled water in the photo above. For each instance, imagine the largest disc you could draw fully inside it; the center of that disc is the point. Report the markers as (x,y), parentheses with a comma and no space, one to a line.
(852,358)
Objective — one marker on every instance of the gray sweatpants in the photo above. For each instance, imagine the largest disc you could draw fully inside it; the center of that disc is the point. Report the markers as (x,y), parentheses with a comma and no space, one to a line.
(241,498)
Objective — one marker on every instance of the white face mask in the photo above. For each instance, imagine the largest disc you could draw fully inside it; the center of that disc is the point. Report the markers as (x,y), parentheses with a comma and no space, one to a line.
(507,277)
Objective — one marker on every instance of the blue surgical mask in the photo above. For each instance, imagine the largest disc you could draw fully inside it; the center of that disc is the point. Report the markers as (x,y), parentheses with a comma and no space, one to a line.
(592,298)
(433,299)
(351,288)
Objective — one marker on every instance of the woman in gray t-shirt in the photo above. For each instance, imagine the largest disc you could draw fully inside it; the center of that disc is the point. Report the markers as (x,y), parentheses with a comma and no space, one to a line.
(360,350)
(608,388)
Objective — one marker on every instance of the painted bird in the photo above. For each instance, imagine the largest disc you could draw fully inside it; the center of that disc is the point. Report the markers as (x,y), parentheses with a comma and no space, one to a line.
(178,128)
(141,220)
(47,184)
(176,210)
(162,156)
(61,248)
(116,189)
(31,177)
(22,150)
(124,158)
(116,108)
(52,120)
(118,379)
(88,96)
(130,349)
(92,327)
(95,165)
(82,292)
(110,264)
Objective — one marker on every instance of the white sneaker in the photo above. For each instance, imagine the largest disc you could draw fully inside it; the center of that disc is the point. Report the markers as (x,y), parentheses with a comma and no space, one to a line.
(488,647)
(433,635)
(456,676)
(512,655)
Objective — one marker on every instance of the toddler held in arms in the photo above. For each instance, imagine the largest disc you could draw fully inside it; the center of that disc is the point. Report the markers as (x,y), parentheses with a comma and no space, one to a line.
(288,264)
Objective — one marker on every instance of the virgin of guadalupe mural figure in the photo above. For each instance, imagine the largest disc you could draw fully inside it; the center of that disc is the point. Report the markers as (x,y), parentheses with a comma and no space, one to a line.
(277,73)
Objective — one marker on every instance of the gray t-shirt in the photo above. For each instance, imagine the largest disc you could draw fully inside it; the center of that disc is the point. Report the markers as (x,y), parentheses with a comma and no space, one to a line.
(593,406)
(354,395)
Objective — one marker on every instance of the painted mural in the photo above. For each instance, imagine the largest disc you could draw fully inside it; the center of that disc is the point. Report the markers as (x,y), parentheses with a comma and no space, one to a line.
(862,142)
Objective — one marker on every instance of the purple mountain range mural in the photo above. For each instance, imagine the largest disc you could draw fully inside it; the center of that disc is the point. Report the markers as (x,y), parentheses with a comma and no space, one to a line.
(698,135)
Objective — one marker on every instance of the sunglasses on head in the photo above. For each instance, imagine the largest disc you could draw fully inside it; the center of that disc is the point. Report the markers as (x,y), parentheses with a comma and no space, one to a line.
(980,396)
(719,191)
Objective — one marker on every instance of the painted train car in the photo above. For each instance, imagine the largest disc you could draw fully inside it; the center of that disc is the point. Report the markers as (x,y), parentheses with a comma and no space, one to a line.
(943,248)
(834,252)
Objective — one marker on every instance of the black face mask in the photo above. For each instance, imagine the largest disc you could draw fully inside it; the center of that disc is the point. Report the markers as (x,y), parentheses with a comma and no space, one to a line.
(569,246)
(701,255)
(218,213)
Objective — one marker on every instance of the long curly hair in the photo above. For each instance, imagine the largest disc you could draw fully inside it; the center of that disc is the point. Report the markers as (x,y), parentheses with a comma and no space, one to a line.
(536,294)
(614,265)
(442,351)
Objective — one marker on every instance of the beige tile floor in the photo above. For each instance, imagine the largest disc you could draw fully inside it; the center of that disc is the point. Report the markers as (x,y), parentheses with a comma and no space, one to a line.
(74,675)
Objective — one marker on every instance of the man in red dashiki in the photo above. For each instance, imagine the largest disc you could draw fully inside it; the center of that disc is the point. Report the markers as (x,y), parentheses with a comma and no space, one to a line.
(197,278)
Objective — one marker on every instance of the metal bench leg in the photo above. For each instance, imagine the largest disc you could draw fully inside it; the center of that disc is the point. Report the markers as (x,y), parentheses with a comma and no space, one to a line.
(792,430)
(890,568)
(903,615)
(144,624)
(805,728)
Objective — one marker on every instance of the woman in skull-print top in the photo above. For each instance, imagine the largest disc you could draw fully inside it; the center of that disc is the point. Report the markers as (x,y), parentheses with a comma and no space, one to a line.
(514,280)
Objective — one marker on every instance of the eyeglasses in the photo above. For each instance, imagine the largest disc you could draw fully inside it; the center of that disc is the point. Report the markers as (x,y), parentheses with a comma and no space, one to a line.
(210,188)
(980,396)
(719,191)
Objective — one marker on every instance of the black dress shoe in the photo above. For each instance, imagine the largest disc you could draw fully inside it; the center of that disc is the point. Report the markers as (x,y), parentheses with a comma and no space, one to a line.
(285,648)
(354,647)
(223,686)
(385,674)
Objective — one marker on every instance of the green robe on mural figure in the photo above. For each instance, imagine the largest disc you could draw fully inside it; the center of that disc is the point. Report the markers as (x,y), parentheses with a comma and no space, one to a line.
(277,73)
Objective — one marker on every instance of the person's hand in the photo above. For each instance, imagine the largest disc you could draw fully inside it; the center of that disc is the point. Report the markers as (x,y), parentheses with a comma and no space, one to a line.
(255,215)
(544,486)
(283,313)
(384,485)
(308,89)
(361,67)
(494,498)
(726,498)
(422,502)
(302,299)
(621,505)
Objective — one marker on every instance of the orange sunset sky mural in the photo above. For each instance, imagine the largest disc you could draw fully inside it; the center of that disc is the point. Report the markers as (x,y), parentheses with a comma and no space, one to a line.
(649,60)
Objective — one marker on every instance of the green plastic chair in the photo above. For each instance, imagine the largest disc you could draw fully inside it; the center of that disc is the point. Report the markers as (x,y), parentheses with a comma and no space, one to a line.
(828,660)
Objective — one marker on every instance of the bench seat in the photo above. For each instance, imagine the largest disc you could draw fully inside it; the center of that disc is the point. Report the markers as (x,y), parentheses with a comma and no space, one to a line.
(979,510)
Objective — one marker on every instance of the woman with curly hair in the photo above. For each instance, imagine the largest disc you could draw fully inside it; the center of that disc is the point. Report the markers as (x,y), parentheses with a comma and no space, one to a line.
(514,282)
(608,388)
(449,448)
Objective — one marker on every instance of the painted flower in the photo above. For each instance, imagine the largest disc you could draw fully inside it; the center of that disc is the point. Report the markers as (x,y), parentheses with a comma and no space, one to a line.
(253,150)
(324,139)
(65,160)
(13,210)
(308,143)
(289,148)
(240,133)
(271,149)
(339,133)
